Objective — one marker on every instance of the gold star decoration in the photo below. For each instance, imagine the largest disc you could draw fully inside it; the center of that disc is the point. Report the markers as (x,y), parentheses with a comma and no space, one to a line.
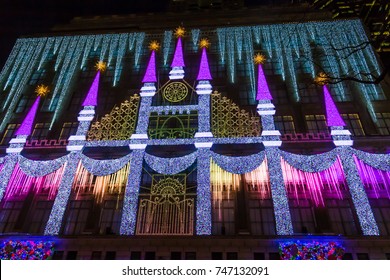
(259,58)
(101,66)
(321,79)
(180,31)
(204,43)
(42,90)
(154,46)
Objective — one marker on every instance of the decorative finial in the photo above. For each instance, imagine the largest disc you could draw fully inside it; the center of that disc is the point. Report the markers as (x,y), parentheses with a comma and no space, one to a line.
(204,43)
(101,66)
(154,46)
(259,58)
(321,79)
(180,31)
(42,90)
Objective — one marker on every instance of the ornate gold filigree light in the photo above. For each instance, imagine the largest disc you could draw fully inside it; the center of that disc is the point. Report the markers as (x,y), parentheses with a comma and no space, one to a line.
(101,66)
(322,79)
(42,90)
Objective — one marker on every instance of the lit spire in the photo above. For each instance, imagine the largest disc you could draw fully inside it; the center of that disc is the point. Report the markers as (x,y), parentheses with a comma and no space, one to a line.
(263,92)
(150,74)
(178,56)
(204,69)
(91,98)
(333,117)
(28,122)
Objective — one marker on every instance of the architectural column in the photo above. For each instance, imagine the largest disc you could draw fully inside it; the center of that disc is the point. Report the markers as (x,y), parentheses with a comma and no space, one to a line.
(271,140)
(342,138)
(9,164)
(203,190)
(130,202)
(53,226)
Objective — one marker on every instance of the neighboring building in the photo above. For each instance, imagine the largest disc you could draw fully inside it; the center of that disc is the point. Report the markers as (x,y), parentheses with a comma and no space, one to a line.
(196,150)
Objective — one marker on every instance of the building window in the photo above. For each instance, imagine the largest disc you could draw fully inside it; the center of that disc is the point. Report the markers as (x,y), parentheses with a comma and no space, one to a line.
(150,255)
(302,216)
(223,216)
(40,216)
(135,255)
(9,215)
(37,77)
(258,256)
(216,256)
(68,129)
(58,255)
(110,217)
(40,131)
(261,216)
(285,124)
(381,209)
(278,91)
(362,256)
(71,255)
(25,103)
(110,255)
(77,216)
(96,255)
(232,256)
(353,123)
(341,216)
(9,133)
(316,123)
(383,123)
(190,255)
(175,255)
(308,93)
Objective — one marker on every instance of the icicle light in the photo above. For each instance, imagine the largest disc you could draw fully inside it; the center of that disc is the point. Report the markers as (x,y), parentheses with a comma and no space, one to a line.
(85,182)
(313,184)
(20,184)
(376,182)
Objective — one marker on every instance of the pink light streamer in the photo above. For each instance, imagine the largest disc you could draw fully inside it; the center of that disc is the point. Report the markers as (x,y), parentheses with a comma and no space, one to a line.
(376,182)
(301,184)
(21,184)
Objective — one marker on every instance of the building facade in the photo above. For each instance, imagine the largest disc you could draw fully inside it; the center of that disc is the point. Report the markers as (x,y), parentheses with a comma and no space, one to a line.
(208,142)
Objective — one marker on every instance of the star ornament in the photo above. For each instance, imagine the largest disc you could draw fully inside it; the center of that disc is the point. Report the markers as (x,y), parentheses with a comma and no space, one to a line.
(322,79)
(204,43)
(101,66)
(42,90)
(180,31)
(154,46)
(259,58)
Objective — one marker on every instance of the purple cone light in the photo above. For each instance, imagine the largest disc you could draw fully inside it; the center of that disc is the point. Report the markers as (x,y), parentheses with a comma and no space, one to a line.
(204,69)
(26,126)
(178,60)
(150,74)
(333,117)
(263,92)
(91,98)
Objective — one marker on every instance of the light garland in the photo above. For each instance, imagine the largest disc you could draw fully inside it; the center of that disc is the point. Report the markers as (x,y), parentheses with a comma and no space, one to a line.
(313,250)
(170,166)
(104,167)
(6,172)
(238,165)
(203,193)
(378,161)
(39,168)
(26,250)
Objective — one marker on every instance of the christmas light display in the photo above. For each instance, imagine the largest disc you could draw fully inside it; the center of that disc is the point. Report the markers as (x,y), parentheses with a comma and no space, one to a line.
(26,250)
(311,250)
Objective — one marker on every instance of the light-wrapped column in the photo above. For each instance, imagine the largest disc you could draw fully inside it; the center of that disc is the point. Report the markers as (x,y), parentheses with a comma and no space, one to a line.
(358,194)
(56,217)
(278,191)
(130,203)
(141,131)
(203,191)
(204,116)
(76,142)
(6,172)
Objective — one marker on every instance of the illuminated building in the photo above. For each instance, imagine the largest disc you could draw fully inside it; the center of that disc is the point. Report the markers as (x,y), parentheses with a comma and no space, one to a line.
(210,141)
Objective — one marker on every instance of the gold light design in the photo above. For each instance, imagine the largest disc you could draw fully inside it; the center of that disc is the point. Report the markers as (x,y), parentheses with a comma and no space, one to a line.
(101,66)
(321,79)
(228,120)
(154,46)
(167,210)
(180,31)
(204,43)
(259,59)
(42,90)
(113,184)
(175,92)
(119,124)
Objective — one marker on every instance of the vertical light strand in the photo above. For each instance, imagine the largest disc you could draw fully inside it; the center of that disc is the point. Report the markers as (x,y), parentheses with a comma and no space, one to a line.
(195,38)
(121,52)
(167,45)
(203,193)
(12,61)
(87,49)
